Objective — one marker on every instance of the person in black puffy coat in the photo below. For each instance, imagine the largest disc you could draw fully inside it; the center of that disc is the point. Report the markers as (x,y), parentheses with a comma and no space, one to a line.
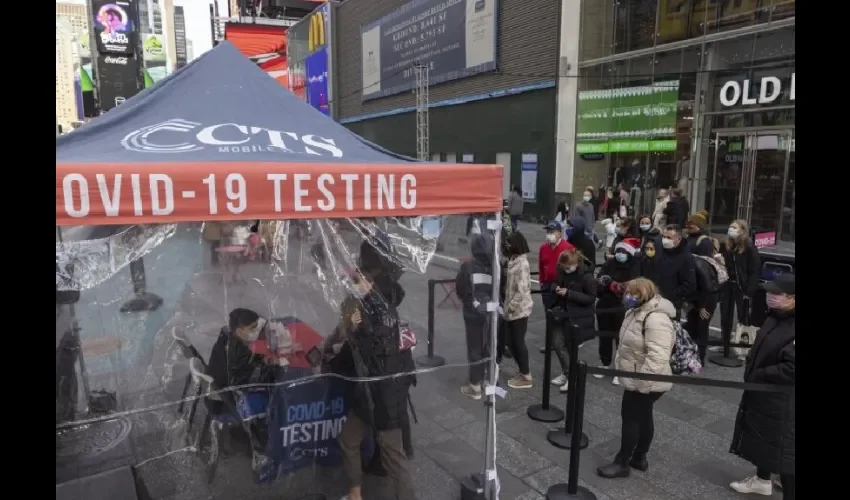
(474,287)
(765,427)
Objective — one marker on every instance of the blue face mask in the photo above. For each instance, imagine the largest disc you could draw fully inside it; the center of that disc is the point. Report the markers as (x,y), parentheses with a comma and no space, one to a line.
(621,257)
(630,301)
(645,227)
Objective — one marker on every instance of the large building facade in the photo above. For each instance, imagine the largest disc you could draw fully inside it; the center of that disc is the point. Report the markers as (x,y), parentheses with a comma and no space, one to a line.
(696,94)
(492,68)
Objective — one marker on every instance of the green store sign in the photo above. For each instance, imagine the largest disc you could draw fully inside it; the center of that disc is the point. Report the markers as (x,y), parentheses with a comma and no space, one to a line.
(626,146)
(628,119)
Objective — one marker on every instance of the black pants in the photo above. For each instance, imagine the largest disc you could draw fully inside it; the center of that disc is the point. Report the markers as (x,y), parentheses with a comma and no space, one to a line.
(608,323)
(731,297)
(638,427)
(476,347)
(698,327)
(560,345)
(515,340)
(788,482)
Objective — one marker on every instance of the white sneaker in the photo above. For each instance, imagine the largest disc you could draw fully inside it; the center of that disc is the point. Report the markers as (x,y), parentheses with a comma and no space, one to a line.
(564,388)
(599,375)
(559,380)
(753,485)
(616,381)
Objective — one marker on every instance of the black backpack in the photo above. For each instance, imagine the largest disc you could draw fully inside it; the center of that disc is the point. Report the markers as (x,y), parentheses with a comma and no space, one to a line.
(707,274)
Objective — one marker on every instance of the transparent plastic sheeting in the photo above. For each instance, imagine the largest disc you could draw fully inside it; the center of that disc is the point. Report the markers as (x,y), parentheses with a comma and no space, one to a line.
(142,387)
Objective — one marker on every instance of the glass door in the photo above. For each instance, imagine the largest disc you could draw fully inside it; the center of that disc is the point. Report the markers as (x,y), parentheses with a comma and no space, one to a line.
(750,181)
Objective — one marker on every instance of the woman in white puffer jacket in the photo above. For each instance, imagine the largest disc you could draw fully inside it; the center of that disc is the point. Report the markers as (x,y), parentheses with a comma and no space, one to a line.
(647,338)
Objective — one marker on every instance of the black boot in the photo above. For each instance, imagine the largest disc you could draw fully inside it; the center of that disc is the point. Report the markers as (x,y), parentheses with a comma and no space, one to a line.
(639,462)
(616,469)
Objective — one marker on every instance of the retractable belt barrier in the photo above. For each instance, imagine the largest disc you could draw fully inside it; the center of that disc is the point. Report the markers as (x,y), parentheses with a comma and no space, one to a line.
(571,489)
(431,360)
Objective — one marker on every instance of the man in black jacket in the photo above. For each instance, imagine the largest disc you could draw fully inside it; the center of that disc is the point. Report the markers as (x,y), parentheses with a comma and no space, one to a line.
(232,363)
(577,235)
(677,208)
(474,287)
(677,277)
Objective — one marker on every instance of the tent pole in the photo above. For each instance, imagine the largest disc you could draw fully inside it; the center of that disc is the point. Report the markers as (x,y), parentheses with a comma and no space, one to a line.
(491,487)
(143,301)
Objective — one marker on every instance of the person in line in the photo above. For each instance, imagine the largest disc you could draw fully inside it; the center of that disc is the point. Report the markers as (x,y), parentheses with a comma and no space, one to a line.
(372,349)
(586,210)
(647,232)
(744,267)
(626,228)
(547,264)
(518,306)
(651,260)
(613,277)
(765,427)
(575,294)
(474,287)
(594,200)
(678,274)
(704,302)
(562,213)
(659,218)
(699,243)
(647,338)
(577,233)
(515,206)
(677,209)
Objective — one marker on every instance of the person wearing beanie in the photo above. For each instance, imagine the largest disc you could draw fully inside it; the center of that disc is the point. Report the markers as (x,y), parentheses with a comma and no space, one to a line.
(613,276)
(698,242)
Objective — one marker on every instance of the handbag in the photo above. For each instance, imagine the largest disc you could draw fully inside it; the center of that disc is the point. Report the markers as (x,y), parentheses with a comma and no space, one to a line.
(744,333)
(407,337)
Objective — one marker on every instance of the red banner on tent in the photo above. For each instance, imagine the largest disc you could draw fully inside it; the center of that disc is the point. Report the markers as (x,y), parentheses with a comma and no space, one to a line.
(144,193)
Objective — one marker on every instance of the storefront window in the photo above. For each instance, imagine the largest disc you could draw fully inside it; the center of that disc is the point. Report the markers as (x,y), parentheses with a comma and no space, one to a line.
(781,9)
(634,25)
(597,29)
(726,16)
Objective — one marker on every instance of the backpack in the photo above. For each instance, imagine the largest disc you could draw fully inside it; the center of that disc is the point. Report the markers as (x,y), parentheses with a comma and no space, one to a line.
(719,268)
(708,272)
(684,359)
(715,245)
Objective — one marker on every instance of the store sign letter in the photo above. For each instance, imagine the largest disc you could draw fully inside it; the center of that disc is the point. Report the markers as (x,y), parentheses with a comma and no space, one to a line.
(733,92)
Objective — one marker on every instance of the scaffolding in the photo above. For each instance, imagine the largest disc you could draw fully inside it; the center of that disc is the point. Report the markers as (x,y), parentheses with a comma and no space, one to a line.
(423,140)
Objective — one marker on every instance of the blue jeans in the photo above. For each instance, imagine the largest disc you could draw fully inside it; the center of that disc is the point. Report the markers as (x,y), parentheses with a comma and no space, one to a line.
(514,222)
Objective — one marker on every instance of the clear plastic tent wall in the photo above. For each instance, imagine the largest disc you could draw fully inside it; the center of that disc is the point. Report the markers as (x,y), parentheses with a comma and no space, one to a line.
(238,359)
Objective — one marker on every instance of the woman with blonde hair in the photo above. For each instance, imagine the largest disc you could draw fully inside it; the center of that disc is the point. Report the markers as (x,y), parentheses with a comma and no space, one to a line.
(743,265)
(647,338)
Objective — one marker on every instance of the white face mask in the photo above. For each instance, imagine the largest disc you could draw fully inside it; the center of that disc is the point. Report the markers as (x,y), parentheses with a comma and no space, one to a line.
(733,233)
(552,238)
(570,269)
(586,197)
(667,243)
(255,333)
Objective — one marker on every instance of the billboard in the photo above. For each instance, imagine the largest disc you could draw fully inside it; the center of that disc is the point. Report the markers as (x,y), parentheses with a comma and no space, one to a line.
(454,38)
(264,44)
(308,56)
(628,119)
(115,26)
(118,79)
(154,57)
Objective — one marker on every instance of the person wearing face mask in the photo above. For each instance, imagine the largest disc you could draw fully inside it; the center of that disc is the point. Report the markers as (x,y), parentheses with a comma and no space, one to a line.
(517,306)
(547,261)
(647,232)
(765,427)
(575,294)
(678,278)
(232,363)
(659,218)
(647,338)
(625,228)
(613,276)
(585,210)
(651,260)
(743,265)
(577,233)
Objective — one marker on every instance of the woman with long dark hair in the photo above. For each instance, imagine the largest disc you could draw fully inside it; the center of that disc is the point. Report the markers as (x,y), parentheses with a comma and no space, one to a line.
(518,306)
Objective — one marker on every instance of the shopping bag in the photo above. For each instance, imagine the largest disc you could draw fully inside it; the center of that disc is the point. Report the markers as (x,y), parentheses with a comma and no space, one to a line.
(744,333)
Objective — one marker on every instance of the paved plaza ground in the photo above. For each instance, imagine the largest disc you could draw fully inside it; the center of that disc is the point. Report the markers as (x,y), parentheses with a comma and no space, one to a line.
(689,458)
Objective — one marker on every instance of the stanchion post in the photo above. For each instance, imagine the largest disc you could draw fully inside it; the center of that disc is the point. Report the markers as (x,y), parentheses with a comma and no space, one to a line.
(143,301)
(544,412)
(572,490)
(431,360)
(563,437)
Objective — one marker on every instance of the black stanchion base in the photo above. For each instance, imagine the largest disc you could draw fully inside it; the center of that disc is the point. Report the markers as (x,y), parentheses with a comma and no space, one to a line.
(540,414)
(430,361)
(731,362)
(472,487)
(564,441)
(142,302)
(559,492)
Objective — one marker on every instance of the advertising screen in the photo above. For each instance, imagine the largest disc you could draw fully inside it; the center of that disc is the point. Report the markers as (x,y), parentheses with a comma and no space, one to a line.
(119,79)
(309,59)
(628,119)
(263,44)
(115,26)
(454,38)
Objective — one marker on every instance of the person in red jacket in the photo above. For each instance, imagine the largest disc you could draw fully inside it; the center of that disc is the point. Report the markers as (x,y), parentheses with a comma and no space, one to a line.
(547,261)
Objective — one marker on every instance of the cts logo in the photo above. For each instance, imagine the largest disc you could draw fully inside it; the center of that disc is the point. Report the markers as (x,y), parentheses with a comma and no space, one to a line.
(183,136)
(296,453)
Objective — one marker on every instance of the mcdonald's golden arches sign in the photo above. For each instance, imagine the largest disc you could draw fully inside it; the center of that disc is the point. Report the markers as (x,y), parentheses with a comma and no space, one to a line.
(316,35)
